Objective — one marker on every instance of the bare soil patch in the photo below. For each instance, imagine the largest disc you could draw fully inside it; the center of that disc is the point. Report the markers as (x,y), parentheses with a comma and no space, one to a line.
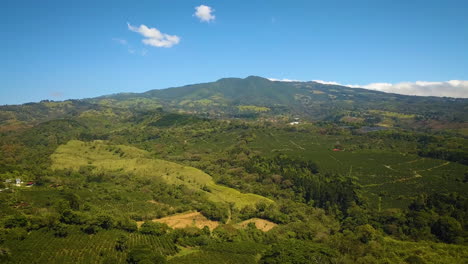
(188,219)
(261,224)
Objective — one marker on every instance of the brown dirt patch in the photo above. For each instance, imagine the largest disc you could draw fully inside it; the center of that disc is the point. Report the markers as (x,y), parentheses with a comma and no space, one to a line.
(188,219)
(261,224)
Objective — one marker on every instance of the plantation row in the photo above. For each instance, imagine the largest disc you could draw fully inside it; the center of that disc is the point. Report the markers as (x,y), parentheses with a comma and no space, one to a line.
(77,247)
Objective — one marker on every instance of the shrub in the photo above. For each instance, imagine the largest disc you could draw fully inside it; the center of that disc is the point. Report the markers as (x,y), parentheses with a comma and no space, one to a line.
(70,217)
(5,253)
(60,230)
(121,243)
(16,221)
(105,221)
(127,225)
(90,229)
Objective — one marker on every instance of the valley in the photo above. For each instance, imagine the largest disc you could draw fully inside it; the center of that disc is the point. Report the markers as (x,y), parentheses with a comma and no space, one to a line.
(226,173)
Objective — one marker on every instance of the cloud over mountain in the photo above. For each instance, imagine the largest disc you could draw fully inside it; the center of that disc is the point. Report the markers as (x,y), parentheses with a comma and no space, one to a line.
(452,88)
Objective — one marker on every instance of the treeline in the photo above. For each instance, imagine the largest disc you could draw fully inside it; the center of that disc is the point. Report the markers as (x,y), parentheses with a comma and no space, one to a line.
(321,190)
(442,146)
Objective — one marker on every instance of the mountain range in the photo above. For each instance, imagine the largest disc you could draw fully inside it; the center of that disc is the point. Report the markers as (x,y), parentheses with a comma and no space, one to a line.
(254,97)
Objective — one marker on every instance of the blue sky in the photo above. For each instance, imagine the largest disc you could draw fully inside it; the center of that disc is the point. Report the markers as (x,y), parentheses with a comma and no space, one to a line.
(77,49)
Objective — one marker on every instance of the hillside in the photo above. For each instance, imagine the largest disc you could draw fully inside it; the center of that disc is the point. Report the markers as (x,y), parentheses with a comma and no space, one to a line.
(235,171)
(255,97)
(102,157)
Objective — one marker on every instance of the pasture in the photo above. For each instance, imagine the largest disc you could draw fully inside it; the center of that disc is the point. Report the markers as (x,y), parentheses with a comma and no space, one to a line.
(119,158)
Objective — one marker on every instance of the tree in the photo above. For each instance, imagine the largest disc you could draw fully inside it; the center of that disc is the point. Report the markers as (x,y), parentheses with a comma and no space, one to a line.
(70,217)
(74,200)
(16,221)
(105,221)
(447,229)
(154,228)
(365,233)
(127,225)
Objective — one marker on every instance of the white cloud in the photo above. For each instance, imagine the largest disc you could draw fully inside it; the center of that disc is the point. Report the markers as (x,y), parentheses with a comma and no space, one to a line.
(204,13)
(282,80)
(453,88)
(325,82)
(154,37)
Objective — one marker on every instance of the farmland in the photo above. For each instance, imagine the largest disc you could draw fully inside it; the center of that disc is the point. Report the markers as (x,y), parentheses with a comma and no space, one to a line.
(43,247)
(123,181)
(387,169)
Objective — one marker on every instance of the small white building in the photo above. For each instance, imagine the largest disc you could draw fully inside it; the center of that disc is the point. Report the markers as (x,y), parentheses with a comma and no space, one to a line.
(18,182)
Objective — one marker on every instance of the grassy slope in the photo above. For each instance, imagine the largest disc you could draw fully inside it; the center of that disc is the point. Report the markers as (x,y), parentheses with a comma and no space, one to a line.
(98,154)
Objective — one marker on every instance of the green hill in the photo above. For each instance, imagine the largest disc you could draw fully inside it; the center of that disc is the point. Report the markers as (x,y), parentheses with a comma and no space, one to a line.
(309,100)
(120,158)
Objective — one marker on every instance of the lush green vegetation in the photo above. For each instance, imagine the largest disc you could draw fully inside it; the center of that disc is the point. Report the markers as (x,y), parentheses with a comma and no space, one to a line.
(381,182)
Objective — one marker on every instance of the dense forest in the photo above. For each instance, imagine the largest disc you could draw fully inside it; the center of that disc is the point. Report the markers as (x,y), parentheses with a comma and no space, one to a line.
(186,175)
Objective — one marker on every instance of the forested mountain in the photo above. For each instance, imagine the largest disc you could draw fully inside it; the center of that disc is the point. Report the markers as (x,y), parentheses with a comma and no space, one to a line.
(255,97)
(236,171)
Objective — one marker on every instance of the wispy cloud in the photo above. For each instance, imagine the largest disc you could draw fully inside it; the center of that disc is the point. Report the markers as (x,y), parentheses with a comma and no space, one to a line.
(56,94)
(129,47)
(204,13)
(154,37)
(120,41)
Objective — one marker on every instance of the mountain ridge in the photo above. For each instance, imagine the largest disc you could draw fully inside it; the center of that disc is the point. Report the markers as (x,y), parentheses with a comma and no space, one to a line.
(254,97)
